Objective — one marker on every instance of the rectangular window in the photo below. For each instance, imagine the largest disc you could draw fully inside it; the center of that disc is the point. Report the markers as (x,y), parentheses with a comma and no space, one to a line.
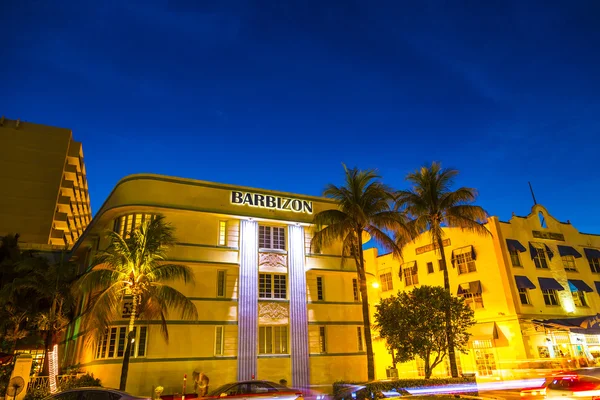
(594,264)
(441,265)
(540,260)
(112,344)
(219,341)
(465,263)
(271,237)
(524,295)
(569,263)
(411,276)
(579,299)
(430,268)
(221,281)
(222,233)
(514,258)
(355,289)
(386,281)
(320,293)
(359,336)
(272,340)
(322,340)
(272,286)
(550,297)
(473,300)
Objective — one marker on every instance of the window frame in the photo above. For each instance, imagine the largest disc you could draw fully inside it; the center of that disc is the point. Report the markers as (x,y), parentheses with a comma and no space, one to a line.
(541,260)
(580,299)
(221,284)
(222,234)
(412,274)
(275,330)
(525,292)
(102,350)
(386,284)
(569,263)
(272,284)
(515,258)
(594,265)
(322,339)
(128,221)
(360,338)
(270,236)
(355,290)
(550,295)
(430,269)
(464,260)
(473,300)
(320,288)
(219,349)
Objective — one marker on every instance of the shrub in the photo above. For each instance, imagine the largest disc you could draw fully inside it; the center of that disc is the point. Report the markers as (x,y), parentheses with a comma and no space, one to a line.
(373,390)
(86,380)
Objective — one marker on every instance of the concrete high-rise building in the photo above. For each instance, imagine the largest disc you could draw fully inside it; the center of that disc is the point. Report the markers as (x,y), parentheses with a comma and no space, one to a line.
(44,191)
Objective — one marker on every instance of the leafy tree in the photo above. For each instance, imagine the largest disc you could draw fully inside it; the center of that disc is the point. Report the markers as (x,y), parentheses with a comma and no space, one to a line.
(133,266)
(413,324)
(365,206)
(432,204)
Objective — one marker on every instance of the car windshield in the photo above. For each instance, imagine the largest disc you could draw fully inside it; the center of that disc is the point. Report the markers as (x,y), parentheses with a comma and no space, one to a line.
(220,389)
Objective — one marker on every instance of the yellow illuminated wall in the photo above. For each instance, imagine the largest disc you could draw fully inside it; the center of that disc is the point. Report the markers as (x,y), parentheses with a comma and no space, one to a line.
(45,194)
(503,320)
(197,210)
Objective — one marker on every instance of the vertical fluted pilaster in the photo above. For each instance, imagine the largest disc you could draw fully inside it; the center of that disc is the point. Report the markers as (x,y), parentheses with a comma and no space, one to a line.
(298,313)
(248,301)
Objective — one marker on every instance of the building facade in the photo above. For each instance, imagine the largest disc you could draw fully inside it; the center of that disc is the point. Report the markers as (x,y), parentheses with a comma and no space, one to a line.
(45,192)
(269,307)
(533,282)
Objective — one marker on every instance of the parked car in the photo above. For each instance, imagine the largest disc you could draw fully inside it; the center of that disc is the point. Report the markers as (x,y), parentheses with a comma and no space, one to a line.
(581,383)
(93,393)
(256,390)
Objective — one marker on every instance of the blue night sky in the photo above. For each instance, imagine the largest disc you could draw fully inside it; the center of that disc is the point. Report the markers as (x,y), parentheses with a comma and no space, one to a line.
(277,94)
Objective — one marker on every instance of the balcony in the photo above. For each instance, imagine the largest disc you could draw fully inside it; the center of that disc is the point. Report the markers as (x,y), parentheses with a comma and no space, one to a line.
(57,237)
(60,220)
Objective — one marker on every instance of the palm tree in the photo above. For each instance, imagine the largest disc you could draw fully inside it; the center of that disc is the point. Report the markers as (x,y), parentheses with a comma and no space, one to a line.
(365,207)
(133,266)
(432,205)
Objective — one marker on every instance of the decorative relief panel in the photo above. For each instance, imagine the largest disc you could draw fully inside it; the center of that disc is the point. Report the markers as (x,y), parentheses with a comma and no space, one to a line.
(272,260)
(273,313)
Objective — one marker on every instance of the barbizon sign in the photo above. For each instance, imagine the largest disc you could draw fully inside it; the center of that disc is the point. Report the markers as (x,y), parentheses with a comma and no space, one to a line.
(272,202)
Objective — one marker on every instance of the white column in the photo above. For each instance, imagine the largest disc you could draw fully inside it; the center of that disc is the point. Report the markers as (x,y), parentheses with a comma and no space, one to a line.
(298,312)
(248,301)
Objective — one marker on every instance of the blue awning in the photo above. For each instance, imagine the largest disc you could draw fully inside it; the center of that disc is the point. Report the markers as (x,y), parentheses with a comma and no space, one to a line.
(515,245)
(591,253)
(550,284)
(523,282)
(597,284)
(533,250)
(568,251)
(577,285)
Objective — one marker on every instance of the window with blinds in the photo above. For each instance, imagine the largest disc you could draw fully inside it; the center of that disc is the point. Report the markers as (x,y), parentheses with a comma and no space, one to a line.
(221,282)
(112,344)
(271,237)
(355,289)
(273,339)
(125,224)
(322,339)
(219,340)
(222,241)
(320,288)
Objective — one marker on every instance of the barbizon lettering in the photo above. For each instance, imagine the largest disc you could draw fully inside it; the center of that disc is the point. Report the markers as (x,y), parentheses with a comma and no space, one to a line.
(273,202)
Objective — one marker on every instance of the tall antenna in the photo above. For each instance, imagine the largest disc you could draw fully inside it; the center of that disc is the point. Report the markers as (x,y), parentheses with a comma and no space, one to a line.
(532,195)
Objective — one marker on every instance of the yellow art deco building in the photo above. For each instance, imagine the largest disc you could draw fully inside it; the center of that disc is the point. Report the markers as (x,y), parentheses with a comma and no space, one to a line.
(533,282)
(44,187)
(269,307)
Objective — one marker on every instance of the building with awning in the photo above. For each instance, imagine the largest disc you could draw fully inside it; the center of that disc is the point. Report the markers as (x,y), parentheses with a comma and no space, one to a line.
(534,284)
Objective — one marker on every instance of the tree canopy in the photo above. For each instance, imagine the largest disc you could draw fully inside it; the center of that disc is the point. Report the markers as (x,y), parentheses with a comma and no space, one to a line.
(413,324)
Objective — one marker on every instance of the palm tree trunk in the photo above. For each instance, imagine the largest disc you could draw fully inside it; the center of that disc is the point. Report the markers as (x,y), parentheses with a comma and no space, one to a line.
(449,336)
(48,349)
(128,345)
(365,310)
